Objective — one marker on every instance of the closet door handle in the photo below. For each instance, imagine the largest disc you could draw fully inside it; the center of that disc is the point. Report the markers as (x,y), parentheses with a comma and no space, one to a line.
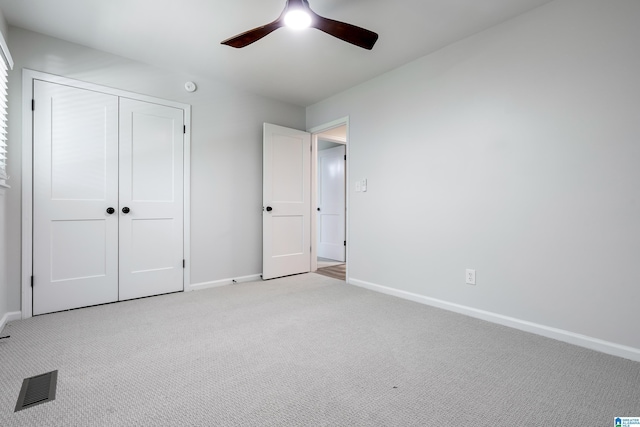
(110,210)
(126,210)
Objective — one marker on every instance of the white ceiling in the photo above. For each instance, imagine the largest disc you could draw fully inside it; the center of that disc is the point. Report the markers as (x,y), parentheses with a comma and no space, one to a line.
(301,67)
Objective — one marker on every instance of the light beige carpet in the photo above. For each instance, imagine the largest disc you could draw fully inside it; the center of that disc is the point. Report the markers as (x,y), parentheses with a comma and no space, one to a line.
(304,350)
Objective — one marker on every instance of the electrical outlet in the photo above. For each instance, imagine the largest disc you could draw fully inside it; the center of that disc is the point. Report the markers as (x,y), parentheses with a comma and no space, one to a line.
(471,277)
(364,185)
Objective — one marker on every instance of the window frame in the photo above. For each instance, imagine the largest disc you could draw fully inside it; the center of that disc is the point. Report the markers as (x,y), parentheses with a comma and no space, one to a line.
(6,65)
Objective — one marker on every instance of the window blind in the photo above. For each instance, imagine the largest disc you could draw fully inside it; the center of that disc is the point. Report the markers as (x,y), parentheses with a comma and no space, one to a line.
(3,116)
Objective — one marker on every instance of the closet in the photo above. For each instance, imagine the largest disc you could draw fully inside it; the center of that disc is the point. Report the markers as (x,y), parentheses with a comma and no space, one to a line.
(108,201)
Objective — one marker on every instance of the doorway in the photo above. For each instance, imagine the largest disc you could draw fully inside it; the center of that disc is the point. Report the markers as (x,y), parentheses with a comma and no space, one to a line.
(330,196)
(301,231)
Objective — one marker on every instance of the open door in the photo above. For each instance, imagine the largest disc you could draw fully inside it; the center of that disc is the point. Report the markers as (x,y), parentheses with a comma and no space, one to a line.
(286,197)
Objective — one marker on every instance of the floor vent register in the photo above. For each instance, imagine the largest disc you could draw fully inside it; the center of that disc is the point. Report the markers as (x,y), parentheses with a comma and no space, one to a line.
(37,390)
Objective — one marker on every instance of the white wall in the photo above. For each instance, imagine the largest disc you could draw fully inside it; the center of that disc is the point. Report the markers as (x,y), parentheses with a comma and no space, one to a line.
(226,146)
(515,152)
(4,28)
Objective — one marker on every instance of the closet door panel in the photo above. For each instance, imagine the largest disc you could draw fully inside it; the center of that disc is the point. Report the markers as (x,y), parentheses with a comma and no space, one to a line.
(151,199)
(75,181)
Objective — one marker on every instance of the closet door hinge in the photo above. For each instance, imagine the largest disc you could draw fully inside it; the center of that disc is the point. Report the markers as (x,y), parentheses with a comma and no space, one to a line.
(184,264)
(33,105)
(345,157)
(345,243)
(184,129)
(32,281)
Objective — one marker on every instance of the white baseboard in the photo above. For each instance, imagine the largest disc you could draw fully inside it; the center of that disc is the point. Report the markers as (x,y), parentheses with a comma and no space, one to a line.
(523,325)
(9,317)
(224,282)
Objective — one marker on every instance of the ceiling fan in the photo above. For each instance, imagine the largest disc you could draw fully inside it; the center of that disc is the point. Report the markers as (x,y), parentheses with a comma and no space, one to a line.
(298,14)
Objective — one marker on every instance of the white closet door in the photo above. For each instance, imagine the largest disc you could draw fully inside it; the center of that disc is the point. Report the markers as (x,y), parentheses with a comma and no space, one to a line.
(151,189)
(286,195)
(75,180)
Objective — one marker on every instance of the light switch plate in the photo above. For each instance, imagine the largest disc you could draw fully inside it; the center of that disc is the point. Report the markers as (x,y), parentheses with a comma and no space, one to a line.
(364,185)
(358,185)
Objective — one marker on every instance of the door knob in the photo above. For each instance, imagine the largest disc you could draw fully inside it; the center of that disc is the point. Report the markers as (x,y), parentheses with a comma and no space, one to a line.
(110,210)
(318,209)
(126,210)
(269,208)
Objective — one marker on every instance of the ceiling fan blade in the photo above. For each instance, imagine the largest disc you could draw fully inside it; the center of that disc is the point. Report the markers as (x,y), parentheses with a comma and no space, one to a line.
(347,32)
(248,37)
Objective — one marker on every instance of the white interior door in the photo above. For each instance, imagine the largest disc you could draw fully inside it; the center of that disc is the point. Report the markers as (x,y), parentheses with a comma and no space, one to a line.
(286,202)
(151,199)
(75,164)
(331,203)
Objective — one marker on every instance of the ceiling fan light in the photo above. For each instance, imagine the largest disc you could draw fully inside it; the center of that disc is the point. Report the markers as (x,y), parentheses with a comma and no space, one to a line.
(297,19)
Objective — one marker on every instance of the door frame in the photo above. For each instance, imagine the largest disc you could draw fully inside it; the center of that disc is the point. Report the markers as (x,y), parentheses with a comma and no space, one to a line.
(28,76)
(314,131)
